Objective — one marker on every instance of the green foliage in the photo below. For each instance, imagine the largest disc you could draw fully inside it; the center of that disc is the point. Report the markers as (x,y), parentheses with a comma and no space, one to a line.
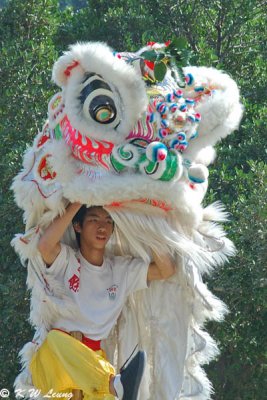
(242,285)
(76,4)
(27,55)
(160,70)
(176,55)
(230,35)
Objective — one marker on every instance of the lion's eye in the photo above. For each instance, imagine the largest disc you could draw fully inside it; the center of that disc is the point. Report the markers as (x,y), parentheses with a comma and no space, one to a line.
(104,114)
(102,108)
(98,101)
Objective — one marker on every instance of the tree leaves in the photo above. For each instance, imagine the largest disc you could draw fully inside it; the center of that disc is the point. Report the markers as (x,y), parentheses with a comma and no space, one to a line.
(160,71)
(28,54)
(151,55)
(175,54)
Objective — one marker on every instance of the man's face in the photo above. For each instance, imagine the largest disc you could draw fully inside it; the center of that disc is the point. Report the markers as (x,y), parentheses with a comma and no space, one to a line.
(96,229)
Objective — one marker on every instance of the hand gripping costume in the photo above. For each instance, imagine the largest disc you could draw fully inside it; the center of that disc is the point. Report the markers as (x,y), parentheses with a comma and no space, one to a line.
(117,137)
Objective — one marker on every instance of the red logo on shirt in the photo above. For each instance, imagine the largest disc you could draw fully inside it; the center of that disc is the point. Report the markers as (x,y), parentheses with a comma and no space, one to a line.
(112,292)
(74,282)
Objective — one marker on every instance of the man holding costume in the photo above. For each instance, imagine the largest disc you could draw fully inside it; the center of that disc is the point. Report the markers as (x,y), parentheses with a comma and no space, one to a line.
(99,286)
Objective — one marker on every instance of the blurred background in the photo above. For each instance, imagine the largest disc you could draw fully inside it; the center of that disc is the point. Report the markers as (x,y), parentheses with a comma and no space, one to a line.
(226,34)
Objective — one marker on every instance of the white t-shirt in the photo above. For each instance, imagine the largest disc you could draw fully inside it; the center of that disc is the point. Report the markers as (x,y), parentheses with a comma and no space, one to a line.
(99,292)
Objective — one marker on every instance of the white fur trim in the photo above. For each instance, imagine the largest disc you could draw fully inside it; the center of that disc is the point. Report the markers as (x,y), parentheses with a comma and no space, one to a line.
(221,112)
(125,82)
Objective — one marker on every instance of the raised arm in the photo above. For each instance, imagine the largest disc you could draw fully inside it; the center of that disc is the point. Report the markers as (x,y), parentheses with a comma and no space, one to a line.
(161,268)
(49,243)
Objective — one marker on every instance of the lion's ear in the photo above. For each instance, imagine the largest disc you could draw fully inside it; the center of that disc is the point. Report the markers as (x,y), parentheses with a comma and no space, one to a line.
(62,68)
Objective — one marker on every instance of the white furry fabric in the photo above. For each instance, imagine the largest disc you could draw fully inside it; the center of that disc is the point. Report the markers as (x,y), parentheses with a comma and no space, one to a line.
(98,58)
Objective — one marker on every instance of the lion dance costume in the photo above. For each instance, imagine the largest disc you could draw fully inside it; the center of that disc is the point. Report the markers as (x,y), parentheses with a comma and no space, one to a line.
(117,137)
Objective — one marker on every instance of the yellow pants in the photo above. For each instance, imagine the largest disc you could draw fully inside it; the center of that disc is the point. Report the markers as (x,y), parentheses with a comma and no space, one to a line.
(63,363)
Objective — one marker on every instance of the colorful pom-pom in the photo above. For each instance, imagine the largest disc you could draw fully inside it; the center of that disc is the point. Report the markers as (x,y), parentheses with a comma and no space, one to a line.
(181,136)
(191,118)
(164,123)
(163,133)
(198,117)
(162,108)
(174,143)
(178,93)
(189,79)
(156,152)
(173,107)
(170,97)
(190,102)
(182,146)
(116,54)
(183,107)
(199,89)
(177,144)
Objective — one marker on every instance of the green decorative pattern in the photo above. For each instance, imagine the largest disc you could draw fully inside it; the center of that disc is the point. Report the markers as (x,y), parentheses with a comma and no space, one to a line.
(58,133)
(164,171)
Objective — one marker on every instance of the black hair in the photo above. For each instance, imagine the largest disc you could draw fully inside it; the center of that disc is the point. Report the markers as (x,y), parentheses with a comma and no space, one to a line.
(79,217)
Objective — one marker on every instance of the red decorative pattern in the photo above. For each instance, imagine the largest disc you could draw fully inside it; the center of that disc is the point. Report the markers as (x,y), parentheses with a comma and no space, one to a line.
(70,67)
(45,136)
(74,283)
(143,129)
(45,170)
(23,240)
(152,202)
(89,151)
(30,177)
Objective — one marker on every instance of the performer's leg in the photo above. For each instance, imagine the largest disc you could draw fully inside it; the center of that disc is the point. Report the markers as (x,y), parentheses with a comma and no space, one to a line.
(63,362)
